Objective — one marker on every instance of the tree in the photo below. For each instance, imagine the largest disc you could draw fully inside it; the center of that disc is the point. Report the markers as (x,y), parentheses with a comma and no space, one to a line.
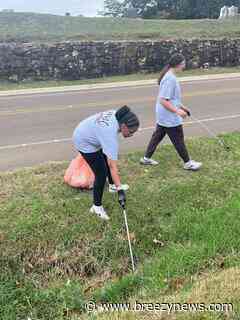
(142,6)
(215,6)
(192,9)
(113,8)
(174,9)
(117,8)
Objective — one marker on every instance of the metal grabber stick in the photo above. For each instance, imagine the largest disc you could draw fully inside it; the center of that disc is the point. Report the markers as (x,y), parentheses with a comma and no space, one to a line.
(220,141)
(129,240)
(122,203)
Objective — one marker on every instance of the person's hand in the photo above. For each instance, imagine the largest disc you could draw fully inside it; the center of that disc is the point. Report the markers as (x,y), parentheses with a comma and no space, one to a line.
(181,113)
(122,198)
(186,110)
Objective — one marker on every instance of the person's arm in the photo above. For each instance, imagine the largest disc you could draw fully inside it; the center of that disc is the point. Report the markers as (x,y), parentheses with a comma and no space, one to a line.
(166,91)
(116,179)
(109,144)
(169,106)
(114,172)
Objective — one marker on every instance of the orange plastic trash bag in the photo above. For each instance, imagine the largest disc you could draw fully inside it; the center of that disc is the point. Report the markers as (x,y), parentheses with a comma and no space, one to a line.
(79,174)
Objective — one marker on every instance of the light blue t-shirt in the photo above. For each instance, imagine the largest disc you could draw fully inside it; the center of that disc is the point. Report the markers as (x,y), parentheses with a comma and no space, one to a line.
(98,132)
(169,89)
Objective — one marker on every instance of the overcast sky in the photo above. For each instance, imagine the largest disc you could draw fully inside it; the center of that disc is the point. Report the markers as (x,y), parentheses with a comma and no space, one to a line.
(75,7)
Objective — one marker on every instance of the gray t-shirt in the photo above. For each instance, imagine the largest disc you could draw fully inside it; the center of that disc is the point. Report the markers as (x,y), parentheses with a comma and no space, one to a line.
(169,89)
(98,132)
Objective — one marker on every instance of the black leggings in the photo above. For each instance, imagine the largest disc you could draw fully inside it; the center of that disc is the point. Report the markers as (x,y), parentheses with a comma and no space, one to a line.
(176,136)
(99,165)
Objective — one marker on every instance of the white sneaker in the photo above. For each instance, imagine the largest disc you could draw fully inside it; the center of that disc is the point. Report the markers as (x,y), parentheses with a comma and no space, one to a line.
(112,188)
(192,165)
(148,161)
(100,212)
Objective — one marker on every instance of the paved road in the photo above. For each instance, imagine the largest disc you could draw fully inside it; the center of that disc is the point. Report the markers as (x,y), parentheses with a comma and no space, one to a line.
(36,128)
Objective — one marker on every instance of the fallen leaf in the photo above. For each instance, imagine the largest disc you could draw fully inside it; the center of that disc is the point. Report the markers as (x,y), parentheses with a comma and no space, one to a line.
(2,236)
(176,283)
(125,237)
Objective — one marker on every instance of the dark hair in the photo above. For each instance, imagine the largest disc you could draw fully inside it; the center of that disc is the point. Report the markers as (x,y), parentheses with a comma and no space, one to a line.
(126,116)
(174,61)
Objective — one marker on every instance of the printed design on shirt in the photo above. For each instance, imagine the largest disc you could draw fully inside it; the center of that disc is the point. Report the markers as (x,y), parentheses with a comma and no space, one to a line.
(104,119)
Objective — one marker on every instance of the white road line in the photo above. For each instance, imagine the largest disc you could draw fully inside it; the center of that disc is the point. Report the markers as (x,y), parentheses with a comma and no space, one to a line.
(15,146)
(201,120)
(234,116)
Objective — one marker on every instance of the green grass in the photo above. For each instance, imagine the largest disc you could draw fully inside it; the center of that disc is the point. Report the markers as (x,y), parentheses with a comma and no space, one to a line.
(45,27)
(6,85)
(55,256)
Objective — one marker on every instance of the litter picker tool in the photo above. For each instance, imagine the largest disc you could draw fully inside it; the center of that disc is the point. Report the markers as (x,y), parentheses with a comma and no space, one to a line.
(123,205)
(210,132)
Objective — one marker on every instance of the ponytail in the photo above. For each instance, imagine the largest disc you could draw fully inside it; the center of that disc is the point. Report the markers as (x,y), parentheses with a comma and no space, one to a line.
(163,72)
(174,61)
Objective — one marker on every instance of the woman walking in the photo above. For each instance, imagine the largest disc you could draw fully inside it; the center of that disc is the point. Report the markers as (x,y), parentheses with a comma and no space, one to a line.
(96,138)
(170,113)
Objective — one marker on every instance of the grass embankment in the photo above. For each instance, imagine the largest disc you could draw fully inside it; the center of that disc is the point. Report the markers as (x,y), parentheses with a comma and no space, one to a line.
(45,27)
(6,85)
(55,256)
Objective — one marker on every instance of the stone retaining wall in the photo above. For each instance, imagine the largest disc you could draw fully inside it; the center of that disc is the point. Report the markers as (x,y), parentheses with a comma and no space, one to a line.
(81,60)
